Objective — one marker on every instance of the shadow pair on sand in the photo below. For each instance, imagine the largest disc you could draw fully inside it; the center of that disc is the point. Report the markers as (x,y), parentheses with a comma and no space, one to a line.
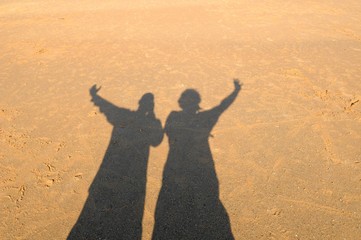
(188,205)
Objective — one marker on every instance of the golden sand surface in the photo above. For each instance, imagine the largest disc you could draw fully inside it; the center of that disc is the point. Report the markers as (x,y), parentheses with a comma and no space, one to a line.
(287,152)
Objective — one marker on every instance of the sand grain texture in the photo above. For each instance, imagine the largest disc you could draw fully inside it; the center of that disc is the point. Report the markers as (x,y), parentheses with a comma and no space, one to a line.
(287,151)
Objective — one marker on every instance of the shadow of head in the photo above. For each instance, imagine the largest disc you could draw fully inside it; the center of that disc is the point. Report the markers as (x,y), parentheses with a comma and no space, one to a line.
(146,103)
(189,101)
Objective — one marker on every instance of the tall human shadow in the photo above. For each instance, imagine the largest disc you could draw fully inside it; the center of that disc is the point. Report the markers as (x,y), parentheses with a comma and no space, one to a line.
(115,205)
(188,205)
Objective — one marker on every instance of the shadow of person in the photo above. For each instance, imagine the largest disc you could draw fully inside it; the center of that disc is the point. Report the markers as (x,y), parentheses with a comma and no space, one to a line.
(188,205)
(115,205)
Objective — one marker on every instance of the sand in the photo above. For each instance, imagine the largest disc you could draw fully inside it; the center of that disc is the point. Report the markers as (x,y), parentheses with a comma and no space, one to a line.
(287,152)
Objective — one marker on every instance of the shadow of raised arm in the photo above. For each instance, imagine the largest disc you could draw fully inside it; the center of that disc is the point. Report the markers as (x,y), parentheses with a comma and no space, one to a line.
(111,111)
(229,99)
(214,113)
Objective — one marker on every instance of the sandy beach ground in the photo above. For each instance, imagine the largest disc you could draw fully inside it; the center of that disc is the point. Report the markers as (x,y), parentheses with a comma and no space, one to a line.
(287,152)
